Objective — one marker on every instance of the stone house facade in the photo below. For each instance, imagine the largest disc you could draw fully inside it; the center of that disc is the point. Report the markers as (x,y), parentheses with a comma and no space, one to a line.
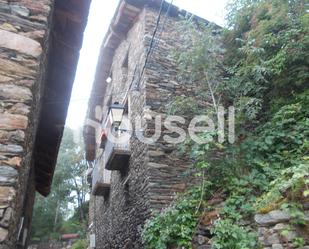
(142,178)
(133,180)
(39,50)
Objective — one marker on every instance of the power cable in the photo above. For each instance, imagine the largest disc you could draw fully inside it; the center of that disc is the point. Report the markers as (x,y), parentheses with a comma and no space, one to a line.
(151,48)
(152,41)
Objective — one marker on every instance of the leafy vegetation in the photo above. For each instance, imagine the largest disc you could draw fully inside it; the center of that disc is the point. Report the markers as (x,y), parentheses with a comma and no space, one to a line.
(80,244)
(263,71)
(175,225)
(229,235)
(54,215)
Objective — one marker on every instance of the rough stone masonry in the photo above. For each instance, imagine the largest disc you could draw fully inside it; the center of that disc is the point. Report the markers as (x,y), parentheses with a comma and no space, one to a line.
(155,173)
(24,32)
(39,48)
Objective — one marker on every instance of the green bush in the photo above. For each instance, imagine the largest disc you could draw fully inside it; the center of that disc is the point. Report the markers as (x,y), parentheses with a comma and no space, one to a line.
(176,225)
(288,186)
(228,235)
(263,73)
(80,244)
(71,226)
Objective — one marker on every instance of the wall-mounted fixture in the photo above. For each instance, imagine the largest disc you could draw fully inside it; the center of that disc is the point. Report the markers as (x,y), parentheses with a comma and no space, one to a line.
(115,113)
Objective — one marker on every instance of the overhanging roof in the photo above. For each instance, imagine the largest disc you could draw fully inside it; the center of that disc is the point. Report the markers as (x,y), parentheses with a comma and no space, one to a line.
(124,18)
(70,17)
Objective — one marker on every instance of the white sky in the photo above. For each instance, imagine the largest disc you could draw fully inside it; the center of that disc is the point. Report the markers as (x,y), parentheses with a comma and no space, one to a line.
(101,13)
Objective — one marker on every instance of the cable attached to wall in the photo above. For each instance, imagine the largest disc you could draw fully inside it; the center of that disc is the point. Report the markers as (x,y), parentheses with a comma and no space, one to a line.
(151,48)
(152,40)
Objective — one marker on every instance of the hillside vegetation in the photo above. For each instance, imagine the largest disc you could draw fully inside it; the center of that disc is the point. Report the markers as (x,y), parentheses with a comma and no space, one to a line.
(260,65)
(65,210)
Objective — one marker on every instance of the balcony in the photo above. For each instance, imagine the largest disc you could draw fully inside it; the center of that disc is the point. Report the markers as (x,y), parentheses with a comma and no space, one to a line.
(101,179)
(117,155)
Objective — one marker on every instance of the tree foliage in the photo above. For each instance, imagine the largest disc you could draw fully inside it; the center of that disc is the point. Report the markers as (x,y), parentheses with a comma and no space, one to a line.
(69,188)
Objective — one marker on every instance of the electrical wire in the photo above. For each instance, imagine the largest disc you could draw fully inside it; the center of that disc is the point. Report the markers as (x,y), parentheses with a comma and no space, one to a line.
(154,42)
(163,26)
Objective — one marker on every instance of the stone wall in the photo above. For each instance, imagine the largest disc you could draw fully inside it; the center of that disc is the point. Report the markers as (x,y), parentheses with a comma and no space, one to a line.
(277,230)
(118,218)
(167,170)
(52,245)
(24,32)
(156,173)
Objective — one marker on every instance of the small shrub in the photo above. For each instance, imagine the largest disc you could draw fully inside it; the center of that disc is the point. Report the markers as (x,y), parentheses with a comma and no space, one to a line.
(80,244)
(228,235)
(290,182)
(175,226)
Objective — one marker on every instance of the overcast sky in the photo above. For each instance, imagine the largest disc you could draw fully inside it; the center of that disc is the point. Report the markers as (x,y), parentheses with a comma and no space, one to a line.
(101,13)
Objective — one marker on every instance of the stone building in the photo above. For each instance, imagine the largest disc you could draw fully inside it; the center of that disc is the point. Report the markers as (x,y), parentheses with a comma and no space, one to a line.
(131,180)
(39,50)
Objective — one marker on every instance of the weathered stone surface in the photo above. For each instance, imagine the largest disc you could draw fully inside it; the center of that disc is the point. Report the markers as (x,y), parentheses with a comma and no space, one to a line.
(3,234)
(14,161)
(15,69)
(20,10)
(8,27)
(12,136)
(27,82)
(271,218)
(17,136)
(156,173)
(201,239)
(20,23)
(262,231)
(272,235)
(1,213)
(39,18)
(15,93)
(4,8)
(277,246)
(13,122)
(8,175)
(6,195)
(36,7)
(156,153)
(157,165)
(11,149)
(20,43)
(37,35)
(24,43)
(280,226)
(20,108)
(4,79)
(271,240)
(5,221)
(3,136)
